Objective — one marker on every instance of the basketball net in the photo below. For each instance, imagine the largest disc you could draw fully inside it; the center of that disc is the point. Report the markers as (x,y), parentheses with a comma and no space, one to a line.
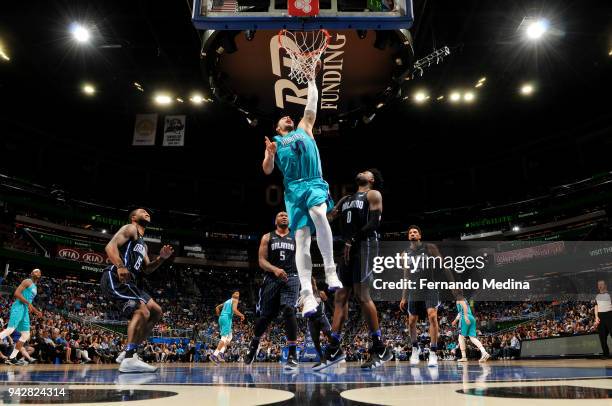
(305,49)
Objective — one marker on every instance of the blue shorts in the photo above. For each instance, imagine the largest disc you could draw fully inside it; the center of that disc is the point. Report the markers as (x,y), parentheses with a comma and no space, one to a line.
(19,318)
(468,331)
(225,326)
(300,196)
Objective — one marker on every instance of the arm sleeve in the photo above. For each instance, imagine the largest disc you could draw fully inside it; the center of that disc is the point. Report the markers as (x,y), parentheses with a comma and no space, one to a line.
(371,225)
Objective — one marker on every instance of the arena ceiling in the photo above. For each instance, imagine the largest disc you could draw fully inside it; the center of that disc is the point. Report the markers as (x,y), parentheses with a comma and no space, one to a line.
(500,146)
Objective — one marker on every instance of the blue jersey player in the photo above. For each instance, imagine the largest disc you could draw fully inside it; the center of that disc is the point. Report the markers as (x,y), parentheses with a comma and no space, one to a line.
(294,151)
(128,253)
(19,319)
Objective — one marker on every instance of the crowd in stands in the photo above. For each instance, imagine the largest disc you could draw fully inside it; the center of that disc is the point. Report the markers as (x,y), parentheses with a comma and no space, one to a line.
(70,330)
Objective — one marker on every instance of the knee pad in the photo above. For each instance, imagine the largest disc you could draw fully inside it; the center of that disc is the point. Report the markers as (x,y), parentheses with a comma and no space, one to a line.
(288,312)
(25,336)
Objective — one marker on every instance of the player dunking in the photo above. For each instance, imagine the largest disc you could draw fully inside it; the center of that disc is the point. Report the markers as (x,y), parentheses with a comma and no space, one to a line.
(280,289)
(226,311)
(361,215)
(307,198)
(127,251)
(20,313)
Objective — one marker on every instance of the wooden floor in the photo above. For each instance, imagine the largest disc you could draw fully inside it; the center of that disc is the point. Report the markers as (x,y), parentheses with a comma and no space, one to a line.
(532,382)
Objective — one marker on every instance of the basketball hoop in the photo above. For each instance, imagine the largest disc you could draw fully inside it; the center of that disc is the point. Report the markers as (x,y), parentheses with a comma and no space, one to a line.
(305,49)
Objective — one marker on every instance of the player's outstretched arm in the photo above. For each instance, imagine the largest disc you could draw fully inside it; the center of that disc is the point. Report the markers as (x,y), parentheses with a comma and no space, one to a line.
(269,155)
(165,253)
(310,112)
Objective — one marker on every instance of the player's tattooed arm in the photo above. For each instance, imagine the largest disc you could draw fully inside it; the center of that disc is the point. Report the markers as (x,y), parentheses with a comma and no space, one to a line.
(263,259)
(165,253)
(125,233)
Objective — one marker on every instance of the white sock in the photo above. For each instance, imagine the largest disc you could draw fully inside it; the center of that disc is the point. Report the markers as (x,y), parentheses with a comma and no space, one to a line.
(325,239)
(6,332)
(478,344)
(303,261)
(462,346)
(14,353)
(222,350)
(216,353)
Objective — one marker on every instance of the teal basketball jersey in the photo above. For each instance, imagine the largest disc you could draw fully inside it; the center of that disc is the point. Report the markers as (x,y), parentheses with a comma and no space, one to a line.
(228,310)
(460,309)
(30,292)
(297,156)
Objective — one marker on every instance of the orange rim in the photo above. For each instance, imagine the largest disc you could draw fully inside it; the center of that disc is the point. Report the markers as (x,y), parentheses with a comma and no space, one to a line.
(319,50)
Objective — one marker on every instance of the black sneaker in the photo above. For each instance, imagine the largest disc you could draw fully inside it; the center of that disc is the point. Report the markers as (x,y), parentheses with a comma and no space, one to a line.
(11,361)
(377,358)
(333,355)
(291,364)
(251,355)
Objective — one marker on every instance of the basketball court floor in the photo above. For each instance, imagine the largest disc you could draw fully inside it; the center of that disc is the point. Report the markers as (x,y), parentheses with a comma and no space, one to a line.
(557,382)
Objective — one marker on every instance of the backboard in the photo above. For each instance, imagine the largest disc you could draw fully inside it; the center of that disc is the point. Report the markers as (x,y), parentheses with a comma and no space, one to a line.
(302,14)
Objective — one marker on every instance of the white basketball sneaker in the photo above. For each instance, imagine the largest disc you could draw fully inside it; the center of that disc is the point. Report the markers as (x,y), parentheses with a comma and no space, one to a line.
(433,359)
(414,357)
(331,279)
(485,356)
(135,364)
(310,306)
(120,357)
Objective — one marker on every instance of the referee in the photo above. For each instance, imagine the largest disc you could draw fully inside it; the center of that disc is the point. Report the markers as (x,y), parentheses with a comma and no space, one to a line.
(280,289)
(603,316)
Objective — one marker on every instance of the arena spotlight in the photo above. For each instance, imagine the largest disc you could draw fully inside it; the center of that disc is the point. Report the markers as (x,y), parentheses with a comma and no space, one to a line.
(163,99)
(469,97)
(3,53)
(610,52)
(516,228)
(455,97)
(178,99)
(536,29)
(527,89)
(196,99)
(89,89)
(420,97)
(80,33)
(440,97)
